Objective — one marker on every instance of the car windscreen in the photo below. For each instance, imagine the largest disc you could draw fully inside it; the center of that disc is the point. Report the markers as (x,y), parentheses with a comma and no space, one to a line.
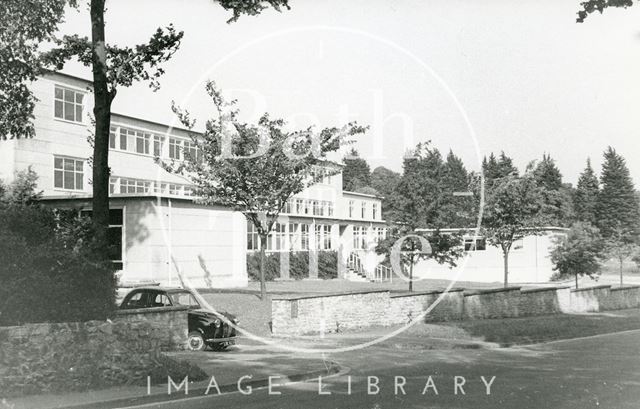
(184,298)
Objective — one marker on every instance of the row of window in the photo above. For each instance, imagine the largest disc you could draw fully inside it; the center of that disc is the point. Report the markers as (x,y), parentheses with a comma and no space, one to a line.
(480,244)
(128,185)
(322,175)
(291,237)
(68,104)
(308,207)
(361,237)
(146,143)
(365,211)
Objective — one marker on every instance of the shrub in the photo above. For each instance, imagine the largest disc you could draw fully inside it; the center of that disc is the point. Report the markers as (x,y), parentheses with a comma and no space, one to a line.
(298,265)
(48,266)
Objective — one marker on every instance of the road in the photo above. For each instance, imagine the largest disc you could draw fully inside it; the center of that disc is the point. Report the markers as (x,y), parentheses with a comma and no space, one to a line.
(597,372)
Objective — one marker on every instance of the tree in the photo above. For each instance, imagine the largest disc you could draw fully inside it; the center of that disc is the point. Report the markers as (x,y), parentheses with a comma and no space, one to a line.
(456,210)
(586,196)
(114,67)
(511,212)
(385,181)
(255,169)
(579,253)
(621,246)
(26,25)
(417,201)
(356,173)
(557,207)
(617,207)
(496,168)
(591,6)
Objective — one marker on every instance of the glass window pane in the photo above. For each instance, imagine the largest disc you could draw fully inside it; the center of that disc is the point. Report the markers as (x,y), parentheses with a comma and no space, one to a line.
(57,163)
(79,113)
(79,181)
(68,95)
(139,145)
(112,141)
(68,180)
(79,165)
(68,111)
(114,238)
(58,109)
(68,164)
(58,93)
(57,179)
(123,140)
(79,97)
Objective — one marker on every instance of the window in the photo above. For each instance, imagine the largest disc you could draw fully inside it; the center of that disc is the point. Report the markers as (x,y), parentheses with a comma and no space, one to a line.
(299,206)
(363,210)
(323,237)
(471,244)
(134,186)
(317,208)
(158,141)
(374,211)
(68,173)
(359,237)
(142,142)
(253,240)
(329,208)
(68,104)
(174,148)
(135,301)
(184,298)
(191,151)
(112,137)
(304,237)
(352,207)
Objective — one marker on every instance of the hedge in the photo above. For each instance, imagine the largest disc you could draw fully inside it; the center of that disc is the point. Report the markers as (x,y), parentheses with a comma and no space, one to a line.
(298,265)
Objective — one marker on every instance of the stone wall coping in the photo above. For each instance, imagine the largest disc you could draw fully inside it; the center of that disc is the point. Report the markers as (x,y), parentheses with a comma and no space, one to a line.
(304,297)
(491,290)
(597,287)
(152,310)
(412,294)
(626,287)
(540,289)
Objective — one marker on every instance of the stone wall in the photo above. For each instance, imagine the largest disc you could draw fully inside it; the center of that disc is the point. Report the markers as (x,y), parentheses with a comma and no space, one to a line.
(334,312)
(49,357)
(328,313)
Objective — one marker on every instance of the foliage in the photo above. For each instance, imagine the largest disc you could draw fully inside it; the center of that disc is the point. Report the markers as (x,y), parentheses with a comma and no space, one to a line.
(255,168)
(385,181)
(456,211)
(46,262)
(356,173)
(497,168)
(417,206)
(617,209)
(591,6)
(298,265)
(511,212)
(556,207)
(251,7)
(26,25)
(586,197)
(578,253)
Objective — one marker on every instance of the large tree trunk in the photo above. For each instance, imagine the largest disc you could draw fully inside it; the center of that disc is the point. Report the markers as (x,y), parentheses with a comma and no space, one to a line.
(576,281)
(102,115)
(411,276)
(263,259)
(505,257)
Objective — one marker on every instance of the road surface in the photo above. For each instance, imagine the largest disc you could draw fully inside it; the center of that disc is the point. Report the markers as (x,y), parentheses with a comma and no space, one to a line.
(596,372)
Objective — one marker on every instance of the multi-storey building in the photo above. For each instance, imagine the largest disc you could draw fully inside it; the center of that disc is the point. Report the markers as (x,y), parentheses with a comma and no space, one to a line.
(160,233)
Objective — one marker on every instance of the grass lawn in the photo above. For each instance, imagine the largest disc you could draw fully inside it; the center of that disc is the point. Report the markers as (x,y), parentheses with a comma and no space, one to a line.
(518,331)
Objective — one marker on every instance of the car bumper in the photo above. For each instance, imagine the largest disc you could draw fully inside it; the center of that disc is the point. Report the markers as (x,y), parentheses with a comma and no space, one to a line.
(228,341)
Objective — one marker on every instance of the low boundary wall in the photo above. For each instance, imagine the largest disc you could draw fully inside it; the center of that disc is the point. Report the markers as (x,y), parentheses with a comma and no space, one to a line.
(335,312)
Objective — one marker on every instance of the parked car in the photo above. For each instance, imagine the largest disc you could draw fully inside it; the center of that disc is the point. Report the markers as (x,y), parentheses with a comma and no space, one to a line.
(206,327)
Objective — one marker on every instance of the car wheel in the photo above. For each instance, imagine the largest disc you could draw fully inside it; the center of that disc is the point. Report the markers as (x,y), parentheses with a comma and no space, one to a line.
(195,341)
(218,346)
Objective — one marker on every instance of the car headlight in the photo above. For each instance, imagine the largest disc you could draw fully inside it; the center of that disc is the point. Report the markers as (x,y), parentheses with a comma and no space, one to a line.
(216,323)
(235,321)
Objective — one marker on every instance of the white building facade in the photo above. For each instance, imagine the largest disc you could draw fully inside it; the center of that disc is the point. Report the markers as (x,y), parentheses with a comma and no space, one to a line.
(162,234)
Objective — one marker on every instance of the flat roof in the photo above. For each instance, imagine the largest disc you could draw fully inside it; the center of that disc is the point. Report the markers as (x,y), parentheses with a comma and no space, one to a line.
(350,193)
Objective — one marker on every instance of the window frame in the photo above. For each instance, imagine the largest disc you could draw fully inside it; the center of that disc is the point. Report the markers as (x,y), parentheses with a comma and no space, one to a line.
(75,90)
(75,172)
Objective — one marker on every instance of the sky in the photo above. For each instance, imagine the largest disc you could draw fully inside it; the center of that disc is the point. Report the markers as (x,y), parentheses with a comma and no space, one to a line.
(471,76)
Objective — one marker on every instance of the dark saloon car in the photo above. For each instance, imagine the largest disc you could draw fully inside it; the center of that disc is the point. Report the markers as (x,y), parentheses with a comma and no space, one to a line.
(206,327)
